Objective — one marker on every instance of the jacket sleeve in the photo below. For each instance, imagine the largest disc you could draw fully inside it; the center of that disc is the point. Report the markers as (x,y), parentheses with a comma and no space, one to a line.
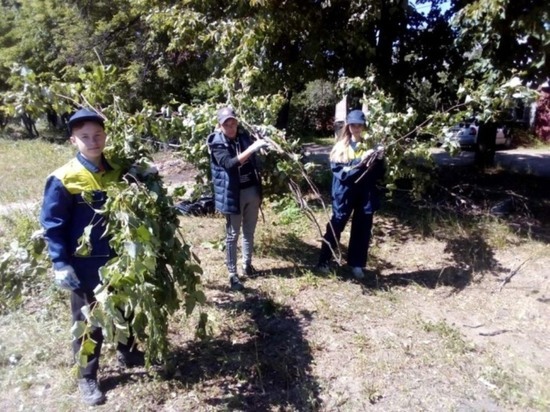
(221,155)
(55,219)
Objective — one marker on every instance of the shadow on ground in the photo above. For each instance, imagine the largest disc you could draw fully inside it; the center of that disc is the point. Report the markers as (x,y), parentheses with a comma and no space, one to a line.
(290,247)
(457,279)
(114,378)
(269,368)
(470,254)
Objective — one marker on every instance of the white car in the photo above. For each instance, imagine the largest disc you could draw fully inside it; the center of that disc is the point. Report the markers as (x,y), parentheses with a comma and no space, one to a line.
(504,137)
(465,134)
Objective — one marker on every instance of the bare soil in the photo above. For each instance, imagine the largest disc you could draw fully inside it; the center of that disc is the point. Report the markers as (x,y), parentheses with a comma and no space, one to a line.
(454,315)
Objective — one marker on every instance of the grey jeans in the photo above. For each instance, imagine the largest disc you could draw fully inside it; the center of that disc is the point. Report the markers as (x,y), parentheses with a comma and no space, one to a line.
(250,206)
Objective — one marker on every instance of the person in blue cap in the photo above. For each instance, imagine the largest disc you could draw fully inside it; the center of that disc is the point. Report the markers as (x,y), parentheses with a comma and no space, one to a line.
(72,195)
(237,188)
(357,167)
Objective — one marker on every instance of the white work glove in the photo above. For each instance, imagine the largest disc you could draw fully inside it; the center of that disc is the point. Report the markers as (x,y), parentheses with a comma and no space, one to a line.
(142,171)
(151,170)
(65,278)
(381,151)
(367,154)
(258,144)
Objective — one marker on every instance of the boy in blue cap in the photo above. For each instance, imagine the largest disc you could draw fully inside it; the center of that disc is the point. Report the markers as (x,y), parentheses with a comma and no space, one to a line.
(72,195)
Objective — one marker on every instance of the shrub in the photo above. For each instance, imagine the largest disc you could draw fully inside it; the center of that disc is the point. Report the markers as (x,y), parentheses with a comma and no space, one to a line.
(312,110)
(22,265)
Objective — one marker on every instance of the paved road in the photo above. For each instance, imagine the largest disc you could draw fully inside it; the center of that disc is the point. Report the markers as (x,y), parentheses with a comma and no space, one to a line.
(523,161)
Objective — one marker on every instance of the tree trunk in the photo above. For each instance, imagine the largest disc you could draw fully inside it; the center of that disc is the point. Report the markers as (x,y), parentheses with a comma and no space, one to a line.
(485,145)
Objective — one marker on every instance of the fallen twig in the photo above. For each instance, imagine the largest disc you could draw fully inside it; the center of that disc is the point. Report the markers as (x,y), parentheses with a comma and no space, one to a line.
(495,333)
(511,275)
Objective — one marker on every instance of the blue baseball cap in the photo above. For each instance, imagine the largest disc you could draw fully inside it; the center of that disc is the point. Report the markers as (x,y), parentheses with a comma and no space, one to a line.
(85,115)
(356,117)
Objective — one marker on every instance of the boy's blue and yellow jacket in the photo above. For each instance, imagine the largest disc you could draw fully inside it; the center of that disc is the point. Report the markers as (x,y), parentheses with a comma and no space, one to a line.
(73,195)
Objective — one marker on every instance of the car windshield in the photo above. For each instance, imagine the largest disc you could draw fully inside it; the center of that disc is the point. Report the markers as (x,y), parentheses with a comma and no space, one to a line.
(469,122)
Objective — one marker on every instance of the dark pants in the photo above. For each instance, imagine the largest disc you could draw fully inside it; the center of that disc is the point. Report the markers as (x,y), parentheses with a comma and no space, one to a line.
(79,299)
(361,227)
(486,145)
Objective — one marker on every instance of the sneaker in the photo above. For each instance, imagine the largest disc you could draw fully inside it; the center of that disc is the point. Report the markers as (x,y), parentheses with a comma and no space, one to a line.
(90,392)
(235,283)
(323,268)
(249,271)
(358,272)
(130,359)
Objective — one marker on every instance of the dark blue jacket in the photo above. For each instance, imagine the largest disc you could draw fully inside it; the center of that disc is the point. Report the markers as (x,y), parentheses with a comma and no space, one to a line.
(72,196)
(225,170)
(348,195)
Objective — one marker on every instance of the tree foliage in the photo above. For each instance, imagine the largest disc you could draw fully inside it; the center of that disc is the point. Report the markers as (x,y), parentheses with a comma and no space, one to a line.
(167,51)
(509,37)
(20,266)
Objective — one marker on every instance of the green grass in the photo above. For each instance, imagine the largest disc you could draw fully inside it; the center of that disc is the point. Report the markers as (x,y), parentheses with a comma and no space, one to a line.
(508,385)
(320,140)
(452,338)
(323,141)
(28,163)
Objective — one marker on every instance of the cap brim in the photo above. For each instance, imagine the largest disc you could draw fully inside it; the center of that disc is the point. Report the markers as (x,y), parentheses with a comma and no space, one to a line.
(224,119)
(87,119)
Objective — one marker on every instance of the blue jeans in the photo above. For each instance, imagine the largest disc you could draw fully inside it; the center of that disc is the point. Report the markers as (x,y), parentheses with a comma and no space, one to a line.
(250,207)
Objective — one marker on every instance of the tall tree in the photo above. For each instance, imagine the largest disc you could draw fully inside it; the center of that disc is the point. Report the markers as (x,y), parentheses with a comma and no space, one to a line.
(512,37)
(205,49)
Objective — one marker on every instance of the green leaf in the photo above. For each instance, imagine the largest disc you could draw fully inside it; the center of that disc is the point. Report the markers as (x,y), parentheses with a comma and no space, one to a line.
(200,297)
(190,302)
(82,359)
(132,249)
(84,247)
(88,347)
(78,329)
(143,234)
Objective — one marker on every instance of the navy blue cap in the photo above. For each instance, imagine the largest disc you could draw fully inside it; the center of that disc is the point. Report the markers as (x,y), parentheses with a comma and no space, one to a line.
(84,115)
(356,117)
